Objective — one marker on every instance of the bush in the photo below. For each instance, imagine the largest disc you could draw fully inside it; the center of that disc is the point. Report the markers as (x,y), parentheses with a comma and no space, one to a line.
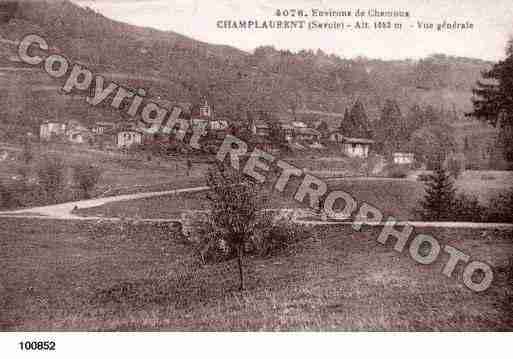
(278,234)
(423,177)
(396,171)
(271,236)
(8,197)
(206,238)
(51,177)
(467,208)
(19,193)
(210,148)
(501,208)
(86,178)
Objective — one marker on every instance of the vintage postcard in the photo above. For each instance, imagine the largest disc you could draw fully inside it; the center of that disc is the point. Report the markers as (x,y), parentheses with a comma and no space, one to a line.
(265,165)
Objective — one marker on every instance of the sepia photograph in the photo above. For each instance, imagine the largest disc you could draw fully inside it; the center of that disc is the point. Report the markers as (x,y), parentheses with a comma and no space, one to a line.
(273,166)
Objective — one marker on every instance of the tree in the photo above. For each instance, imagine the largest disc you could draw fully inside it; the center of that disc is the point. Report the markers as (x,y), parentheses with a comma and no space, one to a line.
(7,10)
(501,208)
(323,129)
(433,72)
(414,120)
(439,198)
(27,154)
(432,144)
(358,123)
(493,100)
(431,117)
(86,177)
(236,204)
(390,132)
(505,141)
(345,127)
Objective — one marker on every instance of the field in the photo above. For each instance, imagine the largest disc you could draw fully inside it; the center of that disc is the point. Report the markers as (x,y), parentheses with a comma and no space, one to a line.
(395,197)
(71,276)
(485,184)
(121,173)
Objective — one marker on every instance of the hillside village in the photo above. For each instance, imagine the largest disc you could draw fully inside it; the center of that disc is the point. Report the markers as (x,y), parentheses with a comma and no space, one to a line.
(124,136)
(312,113)
(478,148)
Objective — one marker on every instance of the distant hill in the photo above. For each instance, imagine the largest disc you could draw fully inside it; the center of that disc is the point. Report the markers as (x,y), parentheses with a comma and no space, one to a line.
(179,68)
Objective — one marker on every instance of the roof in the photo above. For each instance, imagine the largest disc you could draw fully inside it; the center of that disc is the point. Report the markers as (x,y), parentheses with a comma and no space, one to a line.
(73,123)
(129,128)
(74,130)
(109,124)
(75,126)
(261,124)
(316,145)
(80,131)
(363,141)
(53,122)
(308,131)
(299,124)
(287,126)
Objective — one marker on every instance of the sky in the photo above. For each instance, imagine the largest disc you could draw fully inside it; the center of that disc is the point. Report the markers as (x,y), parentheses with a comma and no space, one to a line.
(492,20)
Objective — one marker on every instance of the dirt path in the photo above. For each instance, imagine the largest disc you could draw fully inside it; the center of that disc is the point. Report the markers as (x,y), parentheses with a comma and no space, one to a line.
(64,210)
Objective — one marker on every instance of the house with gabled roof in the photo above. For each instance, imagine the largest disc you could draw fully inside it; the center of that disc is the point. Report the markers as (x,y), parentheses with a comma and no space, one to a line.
(307,134)
(128,136)
(356,147)
(51,129)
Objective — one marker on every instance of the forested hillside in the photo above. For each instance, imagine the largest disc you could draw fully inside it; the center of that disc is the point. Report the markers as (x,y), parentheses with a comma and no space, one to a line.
(236,82)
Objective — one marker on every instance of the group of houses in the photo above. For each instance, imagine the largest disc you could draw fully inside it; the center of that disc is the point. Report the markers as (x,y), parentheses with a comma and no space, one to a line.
(122,135)
(297,134)
(72,131)
(300,136)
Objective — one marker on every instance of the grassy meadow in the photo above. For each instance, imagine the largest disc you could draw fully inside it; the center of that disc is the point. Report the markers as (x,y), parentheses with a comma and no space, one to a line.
(85,276)
(120,173)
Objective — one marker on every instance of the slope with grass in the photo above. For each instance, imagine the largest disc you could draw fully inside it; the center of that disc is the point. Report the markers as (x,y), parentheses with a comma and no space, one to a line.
(120,173)
(69,276)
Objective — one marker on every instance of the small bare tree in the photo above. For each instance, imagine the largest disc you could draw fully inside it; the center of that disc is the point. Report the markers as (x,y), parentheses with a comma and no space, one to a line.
(236,205)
